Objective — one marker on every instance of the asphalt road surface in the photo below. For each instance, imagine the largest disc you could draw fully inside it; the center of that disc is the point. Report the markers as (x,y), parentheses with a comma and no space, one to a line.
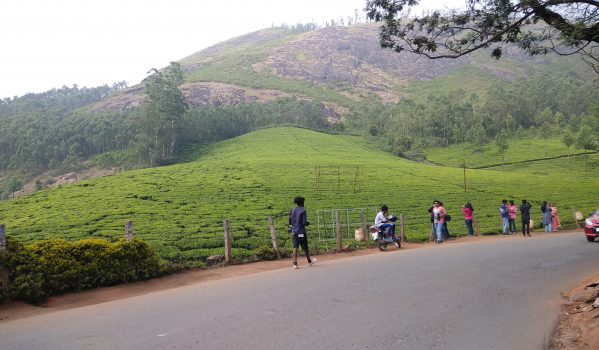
(491,294)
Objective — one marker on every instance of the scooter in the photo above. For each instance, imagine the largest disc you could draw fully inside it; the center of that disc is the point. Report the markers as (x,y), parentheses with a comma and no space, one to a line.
(383,238)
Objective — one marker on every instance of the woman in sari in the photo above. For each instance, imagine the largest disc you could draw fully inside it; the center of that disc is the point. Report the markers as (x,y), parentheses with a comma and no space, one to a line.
(554,217)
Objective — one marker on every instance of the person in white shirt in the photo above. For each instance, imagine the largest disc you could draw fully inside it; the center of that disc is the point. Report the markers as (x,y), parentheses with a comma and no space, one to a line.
(382,222)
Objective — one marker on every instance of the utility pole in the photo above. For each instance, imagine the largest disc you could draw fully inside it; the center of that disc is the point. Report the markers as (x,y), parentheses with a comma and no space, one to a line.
(465,183)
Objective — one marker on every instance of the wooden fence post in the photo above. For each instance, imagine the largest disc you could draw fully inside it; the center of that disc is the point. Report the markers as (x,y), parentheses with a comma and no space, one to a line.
(432,236)
(578,226)
(403,227)
(129,231)
(273,236)
(227,242)
(475,224)
(365,228)
(4,252)
(338,225)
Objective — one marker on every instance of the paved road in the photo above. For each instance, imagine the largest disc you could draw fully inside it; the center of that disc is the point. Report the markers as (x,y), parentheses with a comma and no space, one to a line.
(494,294)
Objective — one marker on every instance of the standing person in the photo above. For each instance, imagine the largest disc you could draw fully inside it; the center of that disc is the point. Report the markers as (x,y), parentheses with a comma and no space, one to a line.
(554,217)
(504,216)
(382,221)
(525,214)
(547,219)
(439,219)
(430,210)
(511,213)
(468,214)
(298,220)
(446,219)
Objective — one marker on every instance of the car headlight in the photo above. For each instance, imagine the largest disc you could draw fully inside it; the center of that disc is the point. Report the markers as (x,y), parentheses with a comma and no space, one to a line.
(589,222)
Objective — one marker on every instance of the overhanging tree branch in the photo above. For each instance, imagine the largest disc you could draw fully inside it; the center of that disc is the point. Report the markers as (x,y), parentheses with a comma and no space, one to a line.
(570,24)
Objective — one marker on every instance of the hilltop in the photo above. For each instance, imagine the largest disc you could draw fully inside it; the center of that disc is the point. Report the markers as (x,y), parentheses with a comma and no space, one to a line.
(340,66)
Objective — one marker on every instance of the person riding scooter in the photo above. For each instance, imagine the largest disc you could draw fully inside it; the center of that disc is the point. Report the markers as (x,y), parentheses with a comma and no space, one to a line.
(385,222)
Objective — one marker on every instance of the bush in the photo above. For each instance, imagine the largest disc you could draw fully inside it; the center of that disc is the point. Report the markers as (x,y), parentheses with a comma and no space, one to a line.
(56,266)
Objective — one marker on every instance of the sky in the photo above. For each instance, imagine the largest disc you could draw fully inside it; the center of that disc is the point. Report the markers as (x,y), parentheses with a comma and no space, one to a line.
(49,44)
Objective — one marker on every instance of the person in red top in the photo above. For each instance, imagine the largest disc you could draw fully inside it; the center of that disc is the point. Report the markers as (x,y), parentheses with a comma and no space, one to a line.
(468,212)
(511,215)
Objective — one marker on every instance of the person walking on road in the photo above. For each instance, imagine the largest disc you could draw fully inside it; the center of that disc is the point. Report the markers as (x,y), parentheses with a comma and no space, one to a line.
(298,220)
(468,216)
(511,213)
(504,216)
(525,215)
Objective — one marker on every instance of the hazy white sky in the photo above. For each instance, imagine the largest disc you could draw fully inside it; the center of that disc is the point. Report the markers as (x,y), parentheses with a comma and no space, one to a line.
(47,44)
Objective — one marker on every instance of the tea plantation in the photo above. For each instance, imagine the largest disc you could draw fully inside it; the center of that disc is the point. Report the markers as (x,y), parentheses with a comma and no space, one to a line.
(179,210)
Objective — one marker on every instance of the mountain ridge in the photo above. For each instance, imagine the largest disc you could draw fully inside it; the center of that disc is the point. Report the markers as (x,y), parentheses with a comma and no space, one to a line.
(343,61)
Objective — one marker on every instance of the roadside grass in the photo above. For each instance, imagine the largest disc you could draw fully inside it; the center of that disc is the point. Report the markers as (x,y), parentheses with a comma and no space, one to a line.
(179,210)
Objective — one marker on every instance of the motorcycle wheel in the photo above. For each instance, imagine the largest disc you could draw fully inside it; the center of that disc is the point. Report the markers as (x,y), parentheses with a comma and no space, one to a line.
(381,244)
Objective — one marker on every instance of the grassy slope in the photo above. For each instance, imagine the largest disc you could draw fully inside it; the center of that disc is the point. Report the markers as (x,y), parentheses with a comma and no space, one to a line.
(180,209)
(522,149)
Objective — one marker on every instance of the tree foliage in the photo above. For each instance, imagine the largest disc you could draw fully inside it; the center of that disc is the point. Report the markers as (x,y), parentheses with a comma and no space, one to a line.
(161,114)
(453,117)
(570,27)
(40,131)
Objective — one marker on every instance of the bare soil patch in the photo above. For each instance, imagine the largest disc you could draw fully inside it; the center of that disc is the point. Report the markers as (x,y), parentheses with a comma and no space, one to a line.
(578,327)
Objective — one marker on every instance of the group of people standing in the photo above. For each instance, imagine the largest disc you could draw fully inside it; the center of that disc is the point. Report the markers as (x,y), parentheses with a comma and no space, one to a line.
(439,218)
(509,212)
(550,218)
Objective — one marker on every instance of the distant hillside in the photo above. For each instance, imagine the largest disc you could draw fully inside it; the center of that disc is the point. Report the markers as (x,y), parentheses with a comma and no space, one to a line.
(333,79)
(340,66)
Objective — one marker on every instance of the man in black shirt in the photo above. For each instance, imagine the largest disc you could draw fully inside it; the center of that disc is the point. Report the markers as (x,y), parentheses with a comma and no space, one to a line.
(525,214)
(298,220)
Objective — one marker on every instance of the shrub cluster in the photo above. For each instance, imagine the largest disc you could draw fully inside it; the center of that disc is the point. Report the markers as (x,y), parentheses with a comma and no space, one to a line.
(56,266)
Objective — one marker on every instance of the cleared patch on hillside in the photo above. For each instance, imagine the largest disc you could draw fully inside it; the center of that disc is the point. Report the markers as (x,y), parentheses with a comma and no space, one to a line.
(351,57)
(218,94)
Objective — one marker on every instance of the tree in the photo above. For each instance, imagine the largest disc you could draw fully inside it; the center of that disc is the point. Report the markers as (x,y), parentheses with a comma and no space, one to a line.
(14,185)
(545,133)
(568,138)
(502,143)
(571,27)
(477,136)
(161,114)
(587,139)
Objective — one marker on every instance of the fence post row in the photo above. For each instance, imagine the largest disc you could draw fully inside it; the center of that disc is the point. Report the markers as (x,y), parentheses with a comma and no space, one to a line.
(365,228)
(475,223)
(227,242)
(129,231)
(3,251)
(273,236)
(403,228)
(338,225)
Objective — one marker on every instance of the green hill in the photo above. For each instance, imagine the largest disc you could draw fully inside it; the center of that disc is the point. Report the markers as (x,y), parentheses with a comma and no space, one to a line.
(521,150)
(180,209)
